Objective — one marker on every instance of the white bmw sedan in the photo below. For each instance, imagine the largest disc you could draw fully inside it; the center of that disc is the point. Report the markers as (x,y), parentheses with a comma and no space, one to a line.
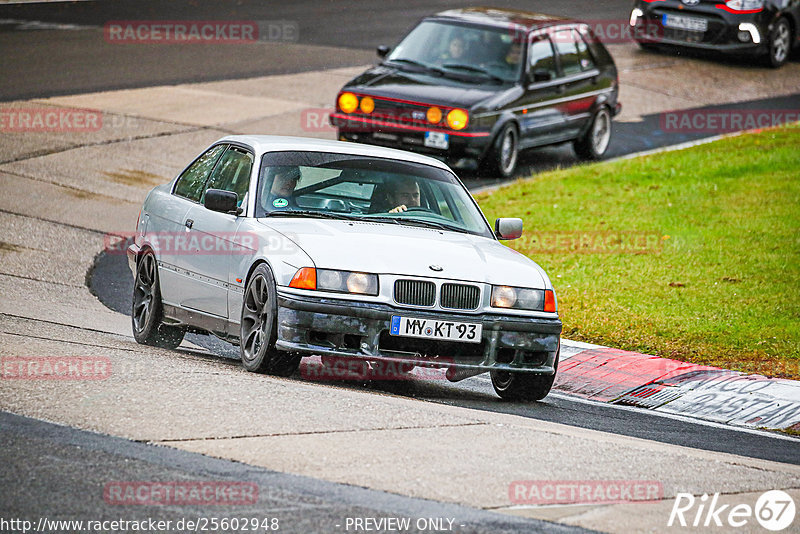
(293,247)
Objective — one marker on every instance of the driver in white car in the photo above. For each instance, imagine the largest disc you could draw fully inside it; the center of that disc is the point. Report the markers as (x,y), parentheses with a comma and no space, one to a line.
(403,195)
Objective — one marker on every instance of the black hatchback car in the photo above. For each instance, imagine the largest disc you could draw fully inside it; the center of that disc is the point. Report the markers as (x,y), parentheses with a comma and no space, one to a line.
(475,86)
(768,28)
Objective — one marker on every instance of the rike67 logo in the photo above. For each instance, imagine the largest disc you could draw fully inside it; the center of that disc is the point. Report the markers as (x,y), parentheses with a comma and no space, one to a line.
(774,510)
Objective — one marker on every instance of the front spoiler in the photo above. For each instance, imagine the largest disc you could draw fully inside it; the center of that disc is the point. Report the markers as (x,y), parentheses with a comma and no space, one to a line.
(320,326)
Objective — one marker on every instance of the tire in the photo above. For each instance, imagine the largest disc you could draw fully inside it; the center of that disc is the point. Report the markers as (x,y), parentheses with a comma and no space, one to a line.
(147,311)
(647,46)
(504,155)
(594,143)
(779,44)
(523,386)
(259,327)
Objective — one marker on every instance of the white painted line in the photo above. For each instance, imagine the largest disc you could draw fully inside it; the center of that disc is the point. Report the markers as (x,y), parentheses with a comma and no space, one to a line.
(682,418)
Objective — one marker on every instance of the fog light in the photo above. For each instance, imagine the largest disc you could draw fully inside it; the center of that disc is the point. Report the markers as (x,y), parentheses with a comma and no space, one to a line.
(367,105)
(744,37)
(635,14)
(434,115)
(751,29)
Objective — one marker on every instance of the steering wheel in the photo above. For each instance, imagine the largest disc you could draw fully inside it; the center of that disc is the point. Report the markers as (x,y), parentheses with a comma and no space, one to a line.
(415,208)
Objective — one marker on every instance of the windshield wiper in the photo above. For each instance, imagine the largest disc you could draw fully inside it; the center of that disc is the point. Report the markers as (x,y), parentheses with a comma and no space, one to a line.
(473,68)
(312,214)
(429,224)
(418,64)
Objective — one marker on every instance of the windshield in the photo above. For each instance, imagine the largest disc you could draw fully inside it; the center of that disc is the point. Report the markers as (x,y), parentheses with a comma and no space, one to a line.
(341,186)
(474,52)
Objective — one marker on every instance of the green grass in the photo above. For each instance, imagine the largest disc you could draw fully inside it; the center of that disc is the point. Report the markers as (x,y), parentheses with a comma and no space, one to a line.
(714,277)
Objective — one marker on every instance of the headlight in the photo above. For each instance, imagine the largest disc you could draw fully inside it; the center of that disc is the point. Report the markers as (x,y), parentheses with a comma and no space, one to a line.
(337,281)
(520,298)
(348,102)
(457,119)
(745,5)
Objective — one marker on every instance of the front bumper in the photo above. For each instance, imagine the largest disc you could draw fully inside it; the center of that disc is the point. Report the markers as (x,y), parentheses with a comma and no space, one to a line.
(361,330)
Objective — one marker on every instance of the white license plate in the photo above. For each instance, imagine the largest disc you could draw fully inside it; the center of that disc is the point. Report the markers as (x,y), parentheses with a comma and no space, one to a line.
(685,23)
(437,140)
(435,329)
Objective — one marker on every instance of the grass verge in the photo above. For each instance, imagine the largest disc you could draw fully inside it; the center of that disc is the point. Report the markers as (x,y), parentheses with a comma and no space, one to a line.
(692,255)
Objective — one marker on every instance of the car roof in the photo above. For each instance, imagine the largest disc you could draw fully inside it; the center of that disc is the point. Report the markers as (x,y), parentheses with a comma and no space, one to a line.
(505,18)
(279,143)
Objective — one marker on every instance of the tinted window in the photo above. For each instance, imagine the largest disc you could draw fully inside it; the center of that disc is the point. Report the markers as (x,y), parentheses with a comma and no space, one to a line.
(583,52)
(541,57)
(363,188)
(460,51)
(232,173)
(191,183)
(567,52)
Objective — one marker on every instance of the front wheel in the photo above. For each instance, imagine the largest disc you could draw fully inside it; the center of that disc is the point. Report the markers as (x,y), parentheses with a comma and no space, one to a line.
(523,386)
(147,310)
(504,155)
(780,43)
(258,328)
(594,143)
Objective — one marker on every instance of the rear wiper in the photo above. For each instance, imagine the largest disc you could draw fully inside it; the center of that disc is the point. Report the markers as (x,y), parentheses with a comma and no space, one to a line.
(418,64)
(473,68)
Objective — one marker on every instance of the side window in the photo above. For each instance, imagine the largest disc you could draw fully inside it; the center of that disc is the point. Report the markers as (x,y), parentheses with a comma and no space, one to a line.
(233,172)
(567,52)
(583,52)
(191,182)
(541,57)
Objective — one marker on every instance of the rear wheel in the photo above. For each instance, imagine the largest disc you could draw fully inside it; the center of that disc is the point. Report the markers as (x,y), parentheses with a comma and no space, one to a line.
(147,310)
(594,143)
(780,43)
(258,328)
(523,386)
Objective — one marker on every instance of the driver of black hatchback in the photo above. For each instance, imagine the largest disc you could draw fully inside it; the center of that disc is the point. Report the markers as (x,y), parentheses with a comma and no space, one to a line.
(403,194)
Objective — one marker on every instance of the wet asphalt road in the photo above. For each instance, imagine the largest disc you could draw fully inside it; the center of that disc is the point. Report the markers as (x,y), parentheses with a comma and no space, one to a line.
(58,473)
(112,282)
(61,472)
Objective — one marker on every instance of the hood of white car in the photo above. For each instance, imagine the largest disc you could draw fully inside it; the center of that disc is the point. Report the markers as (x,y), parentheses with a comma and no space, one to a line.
(408,250)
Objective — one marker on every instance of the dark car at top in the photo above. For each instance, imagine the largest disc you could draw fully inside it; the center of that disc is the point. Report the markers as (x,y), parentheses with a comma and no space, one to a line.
(474,86)
(766,28)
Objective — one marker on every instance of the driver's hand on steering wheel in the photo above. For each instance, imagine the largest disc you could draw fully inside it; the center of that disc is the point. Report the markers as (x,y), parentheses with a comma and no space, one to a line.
(399,209)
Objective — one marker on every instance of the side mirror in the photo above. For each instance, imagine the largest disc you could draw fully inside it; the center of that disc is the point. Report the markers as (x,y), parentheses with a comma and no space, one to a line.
(222,201)
(541,75)
(382,51)
(508,228)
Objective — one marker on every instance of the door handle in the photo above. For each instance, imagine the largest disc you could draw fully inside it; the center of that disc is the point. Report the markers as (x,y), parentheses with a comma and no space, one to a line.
(188,223)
